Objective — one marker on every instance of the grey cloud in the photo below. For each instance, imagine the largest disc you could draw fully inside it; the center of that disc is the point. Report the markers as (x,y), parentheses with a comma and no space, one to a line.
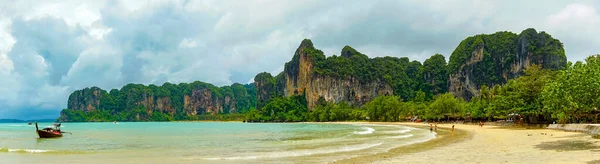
(222,42)
(51,39)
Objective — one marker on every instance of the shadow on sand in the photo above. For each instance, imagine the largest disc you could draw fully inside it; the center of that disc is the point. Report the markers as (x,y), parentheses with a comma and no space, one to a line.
(568,145)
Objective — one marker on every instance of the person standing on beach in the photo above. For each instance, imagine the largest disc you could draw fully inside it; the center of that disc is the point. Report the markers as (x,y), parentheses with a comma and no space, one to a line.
(436,127)
(452,128)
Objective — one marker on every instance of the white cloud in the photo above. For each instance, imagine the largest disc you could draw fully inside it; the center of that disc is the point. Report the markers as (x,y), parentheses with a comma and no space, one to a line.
(6,43)
(188,43)
(576,25)
(96,66)
(580,13)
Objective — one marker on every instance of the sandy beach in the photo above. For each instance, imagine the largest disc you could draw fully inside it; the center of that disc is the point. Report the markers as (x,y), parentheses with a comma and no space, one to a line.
(494,144)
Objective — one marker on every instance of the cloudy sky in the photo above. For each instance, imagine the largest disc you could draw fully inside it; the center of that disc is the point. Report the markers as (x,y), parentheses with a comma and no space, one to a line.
(50,48)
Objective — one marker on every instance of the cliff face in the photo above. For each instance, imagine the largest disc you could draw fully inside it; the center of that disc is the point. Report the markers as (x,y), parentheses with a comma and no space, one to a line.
(460,82)
(155,104)
(202,101)
(136,102)
(300,78)
(496,58)
(268,87)
(349,90)
(87,99)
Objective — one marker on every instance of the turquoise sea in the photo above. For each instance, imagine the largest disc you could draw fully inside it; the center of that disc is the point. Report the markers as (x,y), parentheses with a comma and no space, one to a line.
(203,142)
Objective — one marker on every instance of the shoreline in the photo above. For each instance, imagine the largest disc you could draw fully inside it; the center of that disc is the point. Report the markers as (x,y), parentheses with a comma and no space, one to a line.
(468,144)
(490,144)
(444,137)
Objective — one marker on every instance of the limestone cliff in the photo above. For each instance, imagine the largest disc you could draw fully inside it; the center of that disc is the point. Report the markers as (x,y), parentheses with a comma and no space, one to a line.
(495,58)
(136,102)
(268,87)
(300,78)
(202,101)
(87,99)
(349,90)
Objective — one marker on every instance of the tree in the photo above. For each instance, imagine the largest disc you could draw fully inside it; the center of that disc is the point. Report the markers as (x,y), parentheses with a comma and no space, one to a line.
(384,108)
(445,105)
(573,95)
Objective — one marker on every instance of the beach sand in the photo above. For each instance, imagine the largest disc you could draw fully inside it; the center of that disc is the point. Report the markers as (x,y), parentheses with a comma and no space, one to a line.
(493,144)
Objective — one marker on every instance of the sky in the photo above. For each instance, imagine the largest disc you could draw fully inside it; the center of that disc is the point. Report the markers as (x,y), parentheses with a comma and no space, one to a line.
(48,49)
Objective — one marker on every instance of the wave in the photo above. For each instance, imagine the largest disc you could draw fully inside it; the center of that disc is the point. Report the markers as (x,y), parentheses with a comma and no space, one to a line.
(295,153)
(367,130)
(401,136)
(397,131)
(8,150)
(25,150)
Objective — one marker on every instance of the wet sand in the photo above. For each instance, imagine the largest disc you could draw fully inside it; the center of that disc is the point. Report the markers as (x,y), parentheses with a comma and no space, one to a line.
(493,144)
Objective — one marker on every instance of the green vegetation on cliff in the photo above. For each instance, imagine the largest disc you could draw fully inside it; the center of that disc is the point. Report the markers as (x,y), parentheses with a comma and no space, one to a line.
(508,74)
(435,74)
(539,96)
(401,74)
(498,57)
(169,102)
(500,44)
(271,87)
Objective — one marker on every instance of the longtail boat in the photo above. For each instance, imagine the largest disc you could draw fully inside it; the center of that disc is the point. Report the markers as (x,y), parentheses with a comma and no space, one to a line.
(48,132)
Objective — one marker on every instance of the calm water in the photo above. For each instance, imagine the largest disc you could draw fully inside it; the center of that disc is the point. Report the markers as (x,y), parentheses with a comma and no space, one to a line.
(201,142)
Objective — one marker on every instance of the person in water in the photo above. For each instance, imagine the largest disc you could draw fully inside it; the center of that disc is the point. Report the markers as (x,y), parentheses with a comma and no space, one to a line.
(430,128)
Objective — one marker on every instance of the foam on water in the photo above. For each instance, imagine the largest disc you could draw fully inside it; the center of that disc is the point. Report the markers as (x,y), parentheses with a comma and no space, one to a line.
(10,150)
(398,131)
(28,150)
(295,153)
(367,130)
(402,136)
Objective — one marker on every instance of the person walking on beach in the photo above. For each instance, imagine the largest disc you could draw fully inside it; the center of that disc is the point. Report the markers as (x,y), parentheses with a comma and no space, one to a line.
(452,128)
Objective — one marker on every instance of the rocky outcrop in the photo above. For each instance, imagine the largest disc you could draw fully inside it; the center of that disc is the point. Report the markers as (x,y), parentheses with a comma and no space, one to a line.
(267,87)
(301,79)
(163,105)
(349,90)
(87,99)
(460,82)
(202,101)
(141,103)
(496,58)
